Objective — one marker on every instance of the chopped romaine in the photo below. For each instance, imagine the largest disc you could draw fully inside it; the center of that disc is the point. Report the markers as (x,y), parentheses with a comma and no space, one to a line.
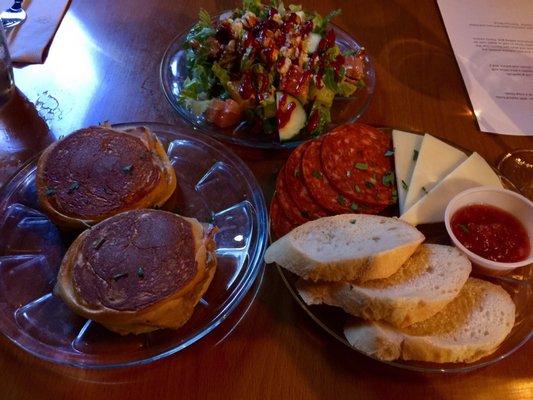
(198,107)
(221,74)
(319,119)
(236,65)
(332,53)
(204,19)
(320,23)
(254,6)
(323,95)
(268,106)
(346,89)
(329,80)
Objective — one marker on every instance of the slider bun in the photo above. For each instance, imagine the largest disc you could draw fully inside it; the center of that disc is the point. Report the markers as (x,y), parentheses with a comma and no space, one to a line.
(138,271)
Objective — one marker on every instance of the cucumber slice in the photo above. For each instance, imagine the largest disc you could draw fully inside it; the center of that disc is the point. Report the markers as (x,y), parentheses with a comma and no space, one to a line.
(295,113)
(313,41)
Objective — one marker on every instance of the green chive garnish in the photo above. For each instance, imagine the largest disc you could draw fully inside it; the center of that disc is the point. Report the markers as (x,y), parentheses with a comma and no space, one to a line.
(388,178)
(99,243)
(341,200)
(73,186)
(50,191)
(369,185)
(317,174)
(357,189)
(405,185)
(354,207)
(362,166)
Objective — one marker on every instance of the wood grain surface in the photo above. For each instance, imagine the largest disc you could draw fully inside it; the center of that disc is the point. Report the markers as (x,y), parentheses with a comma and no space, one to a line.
(103,65)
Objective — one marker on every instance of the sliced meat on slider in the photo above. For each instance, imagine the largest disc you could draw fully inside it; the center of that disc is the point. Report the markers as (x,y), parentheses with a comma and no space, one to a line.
(97,172)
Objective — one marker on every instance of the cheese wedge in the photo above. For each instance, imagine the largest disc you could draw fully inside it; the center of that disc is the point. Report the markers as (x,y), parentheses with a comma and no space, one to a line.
(473,172)
(436,159)
(406,148)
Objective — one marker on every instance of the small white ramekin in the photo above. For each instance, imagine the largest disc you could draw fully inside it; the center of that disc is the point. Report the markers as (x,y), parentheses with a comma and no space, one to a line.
(507,200)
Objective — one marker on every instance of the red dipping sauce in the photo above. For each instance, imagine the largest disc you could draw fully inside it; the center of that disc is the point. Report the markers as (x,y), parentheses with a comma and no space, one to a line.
(491,233)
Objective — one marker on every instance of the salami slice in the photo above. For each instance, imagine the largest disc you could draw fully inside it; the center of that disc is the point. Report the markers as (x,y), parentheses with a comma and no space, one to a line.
(318,185)
(296,188)
(279,223)
(356,160)
(287,205)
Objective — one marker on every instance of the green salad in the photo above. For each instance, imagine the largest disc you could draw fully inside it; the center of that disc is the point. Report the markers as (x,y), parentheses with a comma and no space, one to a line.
(271,68)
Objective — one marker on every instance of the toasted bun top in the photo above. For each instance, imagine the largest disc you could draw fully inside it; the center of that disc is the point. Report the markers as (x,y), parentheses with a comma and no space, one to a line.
(98,171)
(132,260)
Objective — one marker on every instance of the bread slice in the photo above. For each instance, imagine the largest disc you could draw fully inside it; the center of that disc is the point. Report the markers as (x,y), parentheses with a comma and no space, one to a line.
(424,285)
(470,327)
(347,247)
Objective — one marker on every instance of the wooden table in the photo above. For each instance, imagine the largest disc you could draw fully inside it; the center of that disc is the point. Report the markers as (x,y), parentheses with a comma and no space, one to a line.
(104,65)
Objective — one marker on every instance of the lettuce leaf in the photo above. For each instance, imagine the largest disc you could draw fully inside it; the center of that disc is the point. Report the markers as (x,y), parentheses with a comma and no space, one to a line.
(254,6)
(320,23)
(332,53)
(324,118)
(346,89)
(204,19)
(295,8)
(221,74)
(201,30)
(198,84)
(329,80)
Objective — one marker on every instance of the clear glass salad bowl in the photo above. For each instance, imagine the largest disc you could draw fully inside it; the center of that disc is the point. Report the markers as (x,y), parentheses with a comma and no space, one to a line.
(345,109)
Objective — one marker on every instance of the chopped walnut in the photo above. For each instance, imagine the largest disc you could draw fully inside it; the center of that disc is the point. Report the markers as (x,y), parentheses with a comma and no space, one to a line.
(214,46)
(285,66)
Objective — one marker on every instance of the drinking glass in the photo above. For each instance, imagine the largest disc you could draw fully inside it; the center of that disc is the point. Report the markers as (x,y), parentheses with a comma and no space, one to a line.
(517,166)
(7,82)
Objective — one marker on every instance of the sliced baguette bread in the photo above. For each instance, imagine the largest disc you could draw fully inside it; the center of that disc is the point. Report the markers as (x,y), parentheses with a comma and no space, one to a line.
(424,285)
(470,327)
(348,247)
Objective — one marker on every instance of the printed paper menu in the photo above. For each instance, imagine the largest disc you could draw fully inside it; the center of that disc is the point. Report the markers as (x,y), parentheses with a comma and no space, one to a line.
(493,44)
